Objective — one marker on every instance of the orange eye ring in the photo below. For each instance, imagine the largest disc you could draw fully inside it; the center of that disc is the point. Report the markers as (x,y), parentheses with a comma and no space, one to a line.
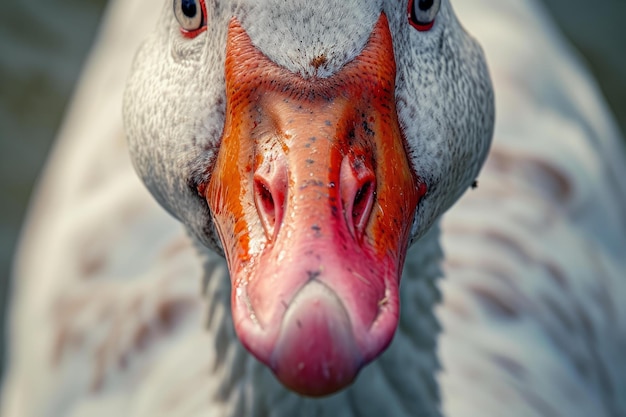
(423,18)
(192,20)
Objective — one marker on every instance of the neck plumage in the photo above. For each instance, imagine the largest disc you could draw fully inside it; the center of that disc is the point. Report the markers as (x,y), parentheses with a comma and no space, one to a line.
(402,382)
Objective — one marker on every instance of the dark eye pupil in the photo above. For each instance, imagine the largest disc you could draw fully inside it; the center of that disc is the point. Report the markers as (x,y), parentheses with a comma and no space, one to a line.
(425,5)
(189,8)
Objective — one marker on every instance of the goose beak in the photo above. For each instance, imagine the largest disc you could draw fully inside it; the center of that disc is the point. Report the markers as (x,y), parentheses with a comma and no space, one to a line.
(313,198)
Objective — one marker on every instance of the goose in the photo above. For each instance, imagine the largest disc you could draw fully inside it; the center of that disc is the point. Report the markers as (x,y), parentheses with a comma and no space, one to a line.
(510,304)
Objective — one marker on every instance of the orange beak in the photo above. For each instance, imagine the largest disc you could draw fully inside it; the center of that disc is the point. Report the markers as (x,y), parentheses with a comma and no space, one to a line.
(313,198)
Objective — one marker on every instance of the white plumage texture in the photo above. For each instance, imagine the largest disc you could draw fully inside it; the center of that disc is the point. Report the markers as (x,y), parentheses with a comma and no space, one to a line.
(115,312)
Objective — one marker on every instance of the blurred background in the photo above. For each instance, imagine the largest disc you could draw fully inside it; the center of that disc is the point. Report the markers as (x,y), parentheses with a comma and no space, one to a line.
(43,44)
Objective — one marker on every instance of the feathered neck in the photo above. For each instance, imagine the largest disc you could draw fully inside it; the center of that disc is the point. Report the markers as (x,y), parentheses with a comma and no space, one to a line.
(402,382)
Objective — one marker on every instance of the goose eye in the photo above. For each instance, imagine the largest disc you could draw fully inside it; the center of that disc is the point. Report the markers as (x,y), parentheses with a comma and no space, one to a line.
(190,16)
(422,13)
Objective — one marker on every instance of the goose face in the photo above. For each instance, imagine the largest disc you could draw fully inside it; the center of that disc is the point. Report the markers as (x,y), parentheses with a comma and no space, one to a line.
(310,143)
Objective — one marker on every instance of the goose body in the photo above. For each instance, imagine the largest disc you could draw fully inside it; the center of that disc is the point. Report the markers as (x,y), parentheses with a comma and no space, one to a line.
(119,311)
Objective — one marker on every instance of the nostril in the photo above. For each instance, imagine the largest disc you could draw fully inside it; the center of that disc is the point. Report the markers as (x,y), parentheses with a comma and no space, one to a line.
(363,201)
(358,187)
(265,206)
(269,197)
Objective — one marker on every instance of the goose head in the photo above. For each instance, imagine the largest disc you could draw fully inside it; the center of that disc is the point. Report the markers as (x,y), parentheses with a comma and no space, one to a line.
(310,143)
